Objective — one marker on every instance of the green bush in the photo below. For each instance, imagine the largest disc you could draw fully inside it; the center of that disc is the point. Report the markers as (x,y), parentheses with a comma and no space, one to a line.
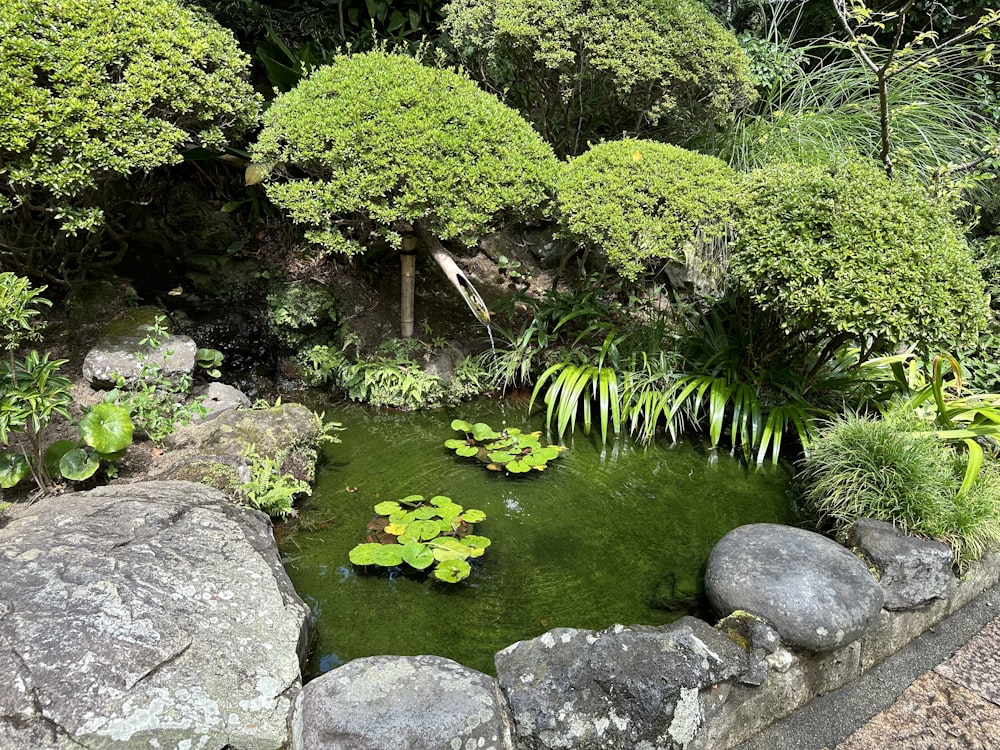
(641,203)
(385,142)
(894,470)
(93,92)
(582,70)
(843,254)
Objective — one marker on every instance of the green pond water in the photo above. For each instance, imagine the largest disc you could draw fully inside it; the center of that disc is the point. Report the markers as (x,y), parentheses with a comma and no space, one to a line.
(605,535)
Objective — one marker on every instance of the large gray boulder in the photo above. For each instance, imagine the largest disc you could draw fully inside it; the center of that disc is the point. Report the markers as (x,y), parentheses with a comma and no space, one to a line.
(815,593)
(912,571)
(637,688)
(151,615)
(400,702)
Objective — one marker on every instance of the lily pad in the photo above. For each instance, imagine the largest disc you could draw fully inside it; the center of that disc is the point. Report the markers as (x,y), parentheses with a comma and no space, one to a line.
(449,548)
(461,425)
(452,571)
(417,555)
(364,554)
(388,508)
(396,529)
(473,516)
(389,555)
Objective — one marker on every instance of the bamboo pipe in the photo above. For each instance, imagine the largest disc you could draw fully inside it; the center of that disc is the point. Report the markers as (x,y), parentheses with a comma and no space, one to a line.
(408,260)
(455,274)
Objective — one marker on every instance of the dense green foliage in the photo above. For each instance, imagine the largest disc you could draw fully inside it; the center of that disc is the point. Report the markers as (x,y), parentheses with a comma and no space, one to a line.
(301,314)
(582,70)
(843,254)
(890,469)
(644,204)
(93,92)
(385,142)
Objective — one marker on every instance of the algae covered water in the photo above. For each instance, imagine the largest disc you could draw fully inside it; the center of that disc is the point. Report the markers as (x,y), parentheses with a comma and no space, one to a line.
(606,534)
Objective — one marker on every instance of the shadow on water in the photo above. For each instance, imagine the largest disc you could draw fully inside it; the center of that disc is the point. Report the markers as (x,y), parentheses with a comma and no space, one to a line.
(616,534)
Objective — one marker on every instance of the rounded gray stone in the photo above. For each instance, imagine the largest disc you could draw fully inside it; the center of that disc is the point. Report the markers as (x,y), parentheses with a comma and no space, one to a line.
(815,593)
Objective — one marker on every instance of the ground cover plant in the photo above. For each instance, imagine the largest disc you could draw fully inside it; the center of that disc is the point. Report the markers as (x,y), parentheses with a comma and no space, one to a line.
(894,469)
(93,93)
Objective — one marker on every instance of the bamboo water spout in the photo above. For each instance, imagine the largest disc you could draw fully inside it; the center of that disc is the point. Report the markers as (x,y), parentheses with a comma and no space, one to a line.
(455,274)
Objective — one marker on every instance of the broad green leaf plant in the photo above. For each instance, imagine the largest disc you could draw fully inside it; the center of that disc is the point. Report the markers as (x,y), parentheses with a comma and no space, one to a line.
(33,394)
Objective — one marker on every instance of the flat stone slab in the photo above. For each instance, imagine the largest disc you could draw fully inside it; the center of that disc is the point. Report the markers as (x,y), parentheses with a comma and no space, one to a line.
(977,664)
(815,593)
(402,703)
(150,615)
(932,714)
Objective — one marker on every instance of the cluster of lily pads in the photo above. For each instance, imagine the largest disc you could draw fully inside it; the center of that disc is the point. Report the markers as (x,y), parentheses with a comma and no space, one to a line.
(507,450)
(423,533)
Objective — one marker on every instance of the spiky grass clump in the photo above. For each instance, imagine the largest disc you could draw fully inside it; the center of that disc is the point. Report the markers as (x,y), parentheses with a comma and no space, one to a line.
(892,469)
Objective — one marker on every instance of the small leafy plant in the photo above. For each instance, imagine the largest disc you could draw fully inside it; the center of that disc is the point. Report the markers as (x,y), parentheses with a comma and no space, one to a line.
(270,488)
(423,533)
(508,450)
(157,403)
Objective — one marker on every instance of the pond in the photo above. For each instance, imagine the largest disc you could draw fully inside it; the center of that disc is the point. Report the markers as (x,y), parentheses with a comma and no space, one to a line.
(605,535)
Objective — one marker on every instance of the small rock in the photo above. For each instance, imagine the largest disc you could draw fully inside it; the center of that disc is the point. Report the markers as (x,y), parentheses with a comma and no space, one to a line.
(911,571)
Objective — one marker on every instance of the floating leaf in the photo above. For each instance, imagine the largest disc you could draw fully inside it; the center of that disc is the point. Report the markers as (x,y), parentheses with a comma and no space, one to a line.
(452,571)
(467,451)
(388,508)
(389,555)
(396,529)
(479,542)
(13,469)
(450,512)
(79,464)
(439,500)
(364,554)
(455,443)
(463,426)
(517,467)
(423,530)
(424,513)
(450,548)
(482,431)
(473,516)
(417,555)
(412,500)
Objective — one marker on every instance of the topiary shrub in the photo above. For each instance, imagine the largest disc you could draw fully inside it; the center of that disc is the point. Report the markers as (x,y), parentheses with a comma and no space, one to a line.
(641,203)
(582,70)
(379,142)
(92,92)
(844,254)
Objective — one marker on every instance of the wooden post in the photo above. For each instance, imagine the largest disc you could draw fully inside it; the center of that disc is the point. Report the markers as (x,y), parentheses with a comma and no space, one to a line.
(408,258)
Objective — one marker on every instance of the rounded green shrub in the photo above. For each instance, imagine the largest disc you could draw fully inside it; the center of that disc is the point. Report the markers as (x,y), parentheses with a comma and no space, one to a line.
(93,91)
(641,203)
(582,70)
(845,254)
(375,142)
